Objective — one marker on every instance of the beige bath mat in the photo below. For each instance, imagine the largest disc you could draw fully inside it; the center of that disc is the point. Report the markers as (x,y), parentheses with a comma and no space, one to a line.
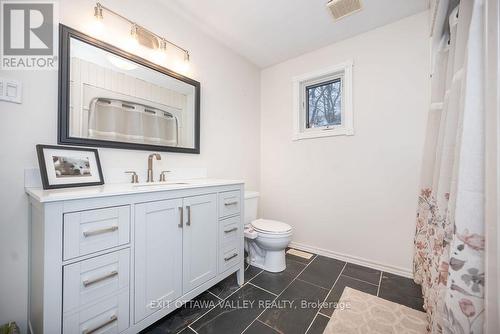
(362,313)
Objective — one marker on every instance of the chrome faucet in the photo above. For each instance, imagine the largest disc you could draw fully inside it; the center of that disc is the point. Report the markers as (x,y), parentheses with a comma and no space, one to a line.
(150,165)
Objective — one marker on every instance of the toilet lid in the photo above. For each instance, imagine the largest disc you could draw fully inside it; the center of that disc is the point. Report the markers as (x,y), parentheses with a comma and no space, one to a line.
(271,226)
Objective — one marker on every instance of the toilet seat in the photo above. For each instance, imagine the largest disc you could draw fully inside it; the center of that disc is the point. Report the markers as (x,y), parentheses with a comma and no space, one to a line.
(268,226)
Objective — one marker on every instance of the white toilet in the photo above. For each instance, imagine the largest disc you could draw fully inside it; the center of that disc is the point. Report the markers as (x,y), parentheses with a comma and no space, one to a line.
(265,240)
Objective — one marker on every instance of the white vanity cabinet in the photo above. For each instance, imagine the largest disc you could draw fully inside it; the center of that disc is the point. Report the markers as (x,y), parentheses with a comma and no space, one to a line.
(117,258)
(158,255)
(199,246)
(179,237)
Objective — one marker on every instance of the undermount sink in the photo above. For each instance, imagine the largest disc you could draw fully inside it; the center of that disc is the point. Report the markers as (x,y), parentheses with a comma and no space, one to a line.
(167,183)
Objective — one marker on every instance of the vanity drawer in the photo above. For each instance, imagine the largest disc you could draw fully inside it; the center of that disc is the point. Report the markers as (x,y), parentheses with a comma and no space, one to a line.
(108,316)
(93,279)
(229,203)
(91,231)
(229,230)
(229,256)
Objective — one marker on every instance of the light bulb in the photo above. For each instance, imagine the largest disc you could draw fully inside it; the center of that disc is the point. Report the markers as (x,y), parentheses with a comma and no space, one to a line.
(183,66)
(97,26)
(132,41)
(159,55)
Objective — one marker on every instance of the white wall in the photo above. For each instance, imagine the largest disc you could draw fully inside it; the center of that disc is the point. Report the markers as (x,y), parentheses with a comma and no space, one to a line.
(353,195)
(229,131)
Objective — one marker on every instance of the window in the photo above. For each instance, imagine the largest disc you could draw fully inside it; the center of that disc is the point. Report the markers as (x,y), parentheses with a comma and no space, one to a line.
(323,103)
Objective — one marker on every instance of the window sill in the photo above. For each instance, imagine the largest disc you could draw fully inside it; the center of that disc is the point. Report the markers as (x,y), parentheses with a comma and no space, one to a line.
(323,133)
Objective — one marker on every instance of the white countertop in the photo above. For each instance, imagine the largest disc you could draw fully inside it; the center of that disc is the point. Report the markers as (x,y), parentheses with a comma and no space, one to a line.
(66,194)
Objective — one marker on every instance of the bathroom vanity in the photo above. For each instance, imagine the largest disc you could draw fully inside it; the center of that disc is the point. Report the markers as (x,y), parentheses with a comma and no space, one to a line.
(117,258)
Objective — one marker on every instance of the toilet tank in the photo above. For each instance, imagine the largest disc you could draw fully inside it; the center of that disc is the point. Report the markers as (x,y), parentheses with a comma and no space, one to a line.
(251,206)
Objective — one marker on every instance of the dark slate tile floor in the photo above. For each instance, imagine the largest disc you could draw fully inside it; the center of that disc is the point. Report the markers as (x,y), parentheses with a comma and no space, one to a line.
(401,290)
(296,308)
(184,316)
(298,300)
(318,325)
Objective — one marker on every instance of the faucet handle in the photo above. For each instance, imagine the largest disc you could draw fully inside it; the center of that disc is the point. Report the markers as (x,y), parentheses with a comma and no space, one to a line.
(163,177)
(135,177)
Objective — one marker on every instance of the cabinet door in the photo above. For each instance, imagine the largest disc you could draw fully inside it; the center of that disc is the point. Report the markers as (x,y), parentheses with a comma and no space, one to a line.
(158,256)
(200,240)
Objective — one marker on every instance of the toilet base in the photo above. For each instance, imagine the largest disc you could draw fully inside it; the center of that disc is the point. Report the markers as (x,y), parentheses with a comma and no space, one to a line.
(272,261)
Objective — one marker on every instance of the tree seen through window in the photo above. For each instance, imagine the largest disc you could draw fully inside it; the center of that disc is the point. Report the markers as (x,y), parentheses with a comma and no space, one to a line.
(324,104)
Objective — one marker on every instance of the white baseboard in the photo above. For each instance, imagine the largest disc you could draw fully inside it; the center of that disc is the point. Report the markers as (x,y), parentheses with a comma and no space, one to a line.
(354,259)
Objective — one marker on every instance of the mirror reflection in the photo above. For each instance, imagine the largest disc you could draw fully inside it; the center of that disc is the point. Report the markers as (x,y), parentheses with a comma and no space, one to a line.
(115,99)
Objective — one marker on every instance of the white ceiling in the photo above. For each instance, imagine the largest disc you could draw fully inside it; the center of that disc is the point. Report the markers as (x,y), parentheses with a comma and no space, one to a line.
(267,32)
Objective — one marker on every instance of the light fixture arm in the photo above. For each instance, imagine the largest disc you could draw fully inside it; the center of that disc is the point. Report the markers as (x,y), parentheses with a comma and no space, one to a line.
(99,8)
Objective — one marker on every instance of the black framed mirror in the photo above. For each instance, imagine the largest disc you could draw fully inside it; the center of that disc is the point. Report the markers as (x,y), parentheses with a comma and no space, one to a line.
(111,98)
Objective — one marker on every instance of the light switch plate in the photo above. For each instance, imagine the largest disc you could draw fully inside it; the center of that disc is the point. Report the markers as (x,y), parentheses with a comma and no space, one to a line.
(11,90)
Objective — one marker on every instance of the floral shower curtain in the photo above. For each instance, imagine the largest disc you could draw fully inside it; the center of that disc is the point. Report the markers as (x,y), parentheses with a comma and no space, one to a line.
(449,240)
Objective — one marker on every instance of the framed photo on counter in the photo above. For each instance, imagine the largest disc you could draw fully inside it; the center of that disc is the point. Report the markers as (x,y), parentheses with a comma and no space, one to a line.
(65,167)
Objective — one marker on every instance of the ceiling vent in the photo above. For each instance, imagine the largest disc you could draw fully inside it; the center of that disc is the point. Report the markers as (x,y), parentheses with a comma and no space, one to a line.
(343,8)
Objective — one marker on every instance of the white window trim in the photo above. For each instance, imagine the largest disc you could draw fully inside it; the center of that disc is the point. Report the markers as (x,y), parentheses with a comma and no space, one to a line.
(347,127)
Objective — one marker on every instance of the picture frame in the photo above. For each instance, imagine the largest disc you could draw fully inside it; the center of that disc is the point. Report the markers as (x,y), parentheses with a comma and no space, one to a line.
(66,167)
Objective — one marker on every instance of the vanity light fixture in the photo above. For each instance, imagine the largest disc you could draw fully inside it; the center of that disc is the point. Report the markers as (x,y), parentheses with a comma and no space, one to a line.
(98,12)
(98,26)
(182,65)
(160,54)
(134,37)
(163,45)
(185,65)
(143,36)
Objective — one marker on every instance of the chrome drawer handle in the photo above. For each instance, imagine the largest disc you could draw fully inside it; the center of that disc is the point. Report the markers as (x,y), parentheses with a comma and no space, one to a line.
(188,208)
(231,203)
(231,230)
(181,214)
(87,234)
(230,257)
(88,282)
(104,324)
